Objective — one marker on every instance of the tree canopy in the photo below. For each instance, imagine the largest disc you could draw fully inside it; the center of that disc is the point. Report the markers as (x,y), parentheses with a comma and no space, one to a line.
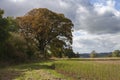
(46,29)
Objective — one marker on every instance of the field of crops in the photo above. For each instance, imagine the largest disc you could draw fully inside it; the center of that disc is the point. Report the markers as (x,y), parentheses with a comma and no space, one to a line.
(89,70)
(64,69)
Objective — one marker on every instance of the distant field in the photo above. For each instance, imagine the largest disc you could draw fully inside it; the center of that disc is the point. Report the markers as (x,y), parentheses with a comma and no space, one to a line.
(90,69)
(96,59)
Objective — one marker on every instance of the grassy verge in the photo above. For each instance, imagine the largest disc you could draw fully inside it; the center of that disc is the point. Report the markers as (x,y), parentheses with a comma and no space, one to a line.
(31,71)
(89,70)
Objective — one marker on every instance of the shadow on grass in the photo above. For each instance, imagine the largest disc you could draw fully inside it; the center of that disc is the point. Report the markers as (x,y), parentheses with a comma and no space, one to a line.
(10,74)
(14,72)
(34,66)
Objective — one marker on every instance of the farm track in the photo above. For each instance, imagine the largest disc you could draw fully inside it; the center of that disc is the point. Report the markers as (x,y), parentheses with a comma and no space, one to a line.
(33,71)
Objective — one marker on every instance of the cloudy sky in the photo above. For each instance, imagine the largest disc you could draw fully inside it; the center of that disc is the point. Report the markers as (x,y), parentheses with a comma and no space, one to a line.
(96,22)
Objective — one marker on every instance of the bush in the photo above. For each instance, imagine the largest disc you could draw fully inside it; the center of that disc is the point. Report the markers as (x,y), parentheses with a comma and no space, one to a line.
(15,48)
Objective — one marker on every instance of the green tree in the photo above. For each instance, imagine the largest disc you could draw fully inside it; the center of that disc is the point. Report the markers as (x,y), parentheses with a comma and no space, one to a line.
(93,54)
(13,26)
(16,48)
(46,29)
(116,53)
(69,53)
(3,27)
(4,34)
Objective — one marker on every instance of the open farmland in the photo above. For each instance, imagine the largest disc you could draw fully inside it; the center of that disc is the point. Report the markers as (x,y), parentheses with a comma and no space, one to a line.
(93,69)
(65,69)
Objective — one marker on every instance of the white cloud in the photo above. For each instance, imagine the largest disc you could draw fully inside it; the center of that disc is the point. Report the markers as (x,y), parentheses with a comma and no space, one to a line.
(98,18)
(109,7)
(86,42)
(17,0)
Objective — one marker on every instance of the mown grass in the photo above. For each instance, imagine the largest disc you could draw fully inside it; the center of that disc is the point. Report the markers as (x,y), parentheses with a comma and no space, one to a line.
(89,70)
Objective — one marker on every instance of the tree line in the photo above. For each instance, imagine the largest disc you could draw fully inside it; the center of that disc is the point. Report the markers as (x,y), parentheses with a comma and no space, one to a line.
(39,34)
(115,53)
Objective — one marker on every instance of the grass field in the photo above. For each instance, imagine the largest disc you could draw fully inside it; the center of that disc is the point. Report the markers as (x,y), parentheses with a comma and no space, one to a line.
(65,69)
(93,69)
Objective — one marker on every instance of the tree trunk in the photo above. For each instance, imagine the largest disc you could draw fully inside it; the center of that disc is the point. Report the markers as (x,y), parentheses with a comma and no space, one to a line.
(42,50)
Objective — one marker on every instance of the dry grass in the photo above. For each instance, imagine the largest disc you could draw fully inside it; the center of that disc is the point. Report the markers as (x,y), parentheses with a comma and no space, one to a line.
(90,70)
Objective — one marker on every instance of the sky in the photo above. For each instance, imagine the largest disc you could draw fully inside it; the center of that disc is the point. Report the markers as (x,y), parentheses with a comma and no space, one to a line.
(96,22)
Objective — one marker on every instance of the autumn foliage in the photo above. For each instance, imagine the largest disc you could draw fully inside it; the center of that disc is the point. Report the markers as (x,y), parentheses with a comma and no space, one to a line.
(40,33)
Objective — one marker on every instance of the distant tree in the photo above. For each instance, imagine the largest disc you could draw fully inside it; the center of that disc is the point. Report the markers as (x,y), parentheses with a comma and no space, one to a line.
(116,53)
(47,29)
(93,54)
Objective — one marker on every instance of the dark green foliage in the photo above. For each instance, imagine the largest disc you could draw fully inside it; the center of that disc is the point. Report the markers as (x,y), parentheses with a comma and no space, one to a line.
(69,52)
(13,26)
(116,53)
(14,49)
(17,50)
(13,46)
(3,33)
(3,28)
(1,13)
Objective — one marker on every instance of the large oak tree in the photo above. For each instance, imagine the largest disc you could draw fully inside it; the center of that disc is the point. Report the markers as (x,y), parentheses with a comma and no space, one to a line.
(47,29)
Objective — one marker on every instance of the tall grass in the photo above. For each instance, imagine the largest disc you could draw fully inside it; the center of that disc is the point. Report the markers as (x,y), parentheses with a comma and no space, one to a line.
(89,70)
